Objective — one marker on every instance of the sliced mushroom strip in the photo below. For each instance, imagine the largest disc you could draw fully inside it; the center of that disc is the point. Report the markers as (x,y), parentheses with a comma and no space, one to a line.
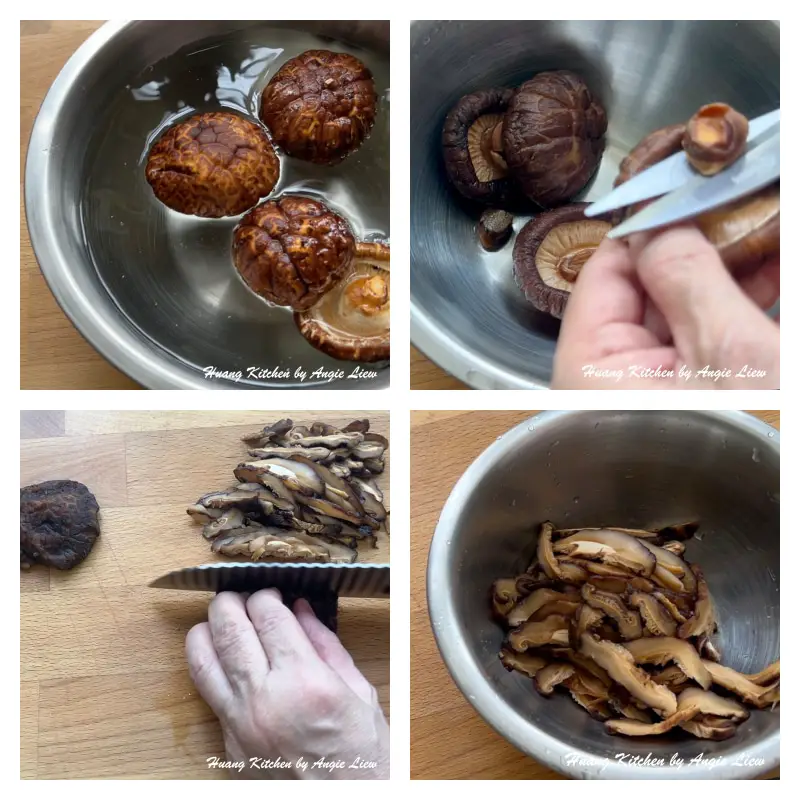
(739,684)
(552,630)
(586,619)
(314,453)
(673,677)
(703,622)
(674,565)
(596,707)
(505,595)
(370,499)
(552,675)
(229,499)
(676,548)
(669,602)
(708,649)
(627,621)
(709,727)
(767,675)
(287,548)
(661,650)
(199,513)
(331,509)
(621,667)
(612,547)
(270,433)
(627,709)
(331,440)
(232,519)
(526,608)
(657,620)
(237,544)
(526,663)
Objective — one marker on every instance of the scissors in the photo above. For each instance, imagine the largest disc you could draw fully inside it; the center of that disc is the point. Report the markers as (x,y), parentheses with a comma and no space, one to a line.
(685,193)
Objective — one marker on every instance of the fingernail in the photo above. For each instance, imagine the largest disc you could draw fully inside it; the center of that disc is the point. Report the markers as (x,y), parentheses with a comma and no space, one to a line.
(275,593)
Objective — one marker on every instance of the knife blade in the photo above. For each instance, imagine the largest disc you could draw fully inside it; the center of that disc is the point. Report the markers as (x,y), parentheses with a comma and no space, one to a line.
(757,169)
(672,173)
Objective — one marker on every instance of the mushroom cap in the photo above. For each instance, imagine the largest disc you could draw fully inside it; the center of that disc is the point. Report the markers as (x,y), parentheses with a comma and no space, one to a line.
(471,146)
(292,250)
(351,321)
(320,106)
(715,137)
(549,253)
(553,137)
(212,165)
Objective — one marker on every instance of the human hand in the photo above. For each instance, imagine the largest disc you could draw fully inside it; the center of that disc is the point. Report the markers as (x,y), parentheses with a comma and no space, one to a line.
(286,692)
(662,312)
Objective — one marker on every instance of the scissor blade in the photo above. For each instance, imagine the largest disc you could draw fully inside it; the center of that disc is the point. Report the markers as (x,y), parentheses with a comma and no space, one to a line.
(669,174)
(759,168)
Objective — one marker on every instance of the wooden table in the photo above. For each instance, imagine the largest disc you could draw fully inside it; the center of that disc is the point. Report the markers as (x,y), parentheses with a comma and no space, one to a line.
(449,740)
(104,688)
(426,375)
(53,354)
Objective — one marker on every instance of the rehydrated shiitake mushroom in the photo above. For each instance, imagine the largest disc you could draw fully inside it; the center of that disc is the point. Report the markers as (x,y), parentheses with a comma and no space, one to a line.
(549,253)
(628,644)
(494,229)
(715,137)
(351,321)
(472,146)
(553,137)
(290,507)
(58,524)
(292,250)
(217,164)
(320,106)
(746,233)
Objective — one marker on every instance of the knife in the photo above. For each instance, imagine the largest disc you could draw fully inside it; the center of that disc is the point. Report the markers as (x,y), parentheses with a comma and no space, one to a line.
(672,173)
(760,167)
(320,584)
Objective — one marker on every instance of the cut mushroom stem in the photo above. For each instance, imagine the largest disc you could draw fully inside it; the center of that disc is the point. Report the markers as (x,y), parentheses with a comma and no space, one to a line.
(494,229)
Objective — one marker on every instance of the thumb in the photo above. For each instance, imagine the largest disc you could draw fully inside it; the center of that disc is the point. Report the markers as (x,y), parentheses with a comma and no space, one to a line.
(711,320)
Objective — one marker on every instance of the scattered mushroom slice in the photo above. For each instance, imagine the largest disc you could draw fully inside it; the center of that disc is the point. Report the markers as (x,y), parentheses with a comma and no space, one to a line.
(338,553)
(287,548)
(708,649)
(269,433)
(535,601)
(655,617)
(706,726)
(370,498)
(609,584)
(596,707)
(673,677)
(367,450)
(613,547)
(586,619)
(661,650)
(676,548)
(630,710)
(669,603)
(739,684)
(274,451)
(550,252)
(228,499)
(232,519)
(351,320)
(494,229)
(628,622)
(504,595)
(547,678)
(552,630)
(703,621)
(526,663)
(330,440)
(236,543)
(564,606)
(767,675)
(619,664)
(199,513)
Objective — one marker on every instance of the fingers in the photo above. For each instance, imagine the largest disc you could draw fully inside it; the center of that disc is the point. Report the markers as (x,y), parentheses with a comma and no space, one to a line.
(282,639)
(704,307)
(764,287)
(332,651)
(205,669)
(236,642)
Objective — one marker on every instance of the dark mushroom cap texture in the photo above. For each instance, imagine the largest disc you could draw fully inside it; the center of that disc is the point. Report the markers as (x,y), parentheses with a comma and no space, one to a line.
(553,137)
(472,146)
(745,233)
(58,524)
(351,321)
(550,252)
(213,165)
(320,106)
(292,250)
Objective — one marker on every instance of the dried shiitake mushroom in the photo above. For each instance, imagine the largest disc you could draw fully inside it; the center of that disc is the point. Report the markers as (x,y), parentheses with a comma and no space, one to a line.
(472,146)
(746,233)
(715,137)
(494,229)
(292,250)
(351,321)
(320,106)
(612,641)
(553,137)
(58,524)
(549,253)
(217,164)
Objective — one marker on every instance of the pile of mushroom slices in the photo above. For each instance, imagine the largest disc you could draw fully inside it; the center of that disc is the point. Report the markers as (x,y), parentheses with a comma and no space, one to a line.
(309,495)
(622,622)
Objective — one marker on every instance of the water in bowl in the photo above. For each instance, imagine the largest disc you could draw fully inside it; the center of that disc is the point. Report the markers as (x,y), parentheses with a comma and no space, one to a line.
(172,274)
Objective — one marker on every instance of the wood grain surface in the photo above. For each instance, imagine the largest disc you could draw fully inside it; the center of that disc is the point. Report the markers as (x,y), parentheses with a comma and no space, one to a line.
(53,355)
(426,375)
(104,688)
(449,740)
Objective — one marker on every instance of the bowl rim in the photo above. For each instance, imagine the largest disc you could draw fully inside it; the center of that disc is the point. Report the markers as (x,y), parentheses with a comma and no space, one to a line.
(465,673)
(115,338)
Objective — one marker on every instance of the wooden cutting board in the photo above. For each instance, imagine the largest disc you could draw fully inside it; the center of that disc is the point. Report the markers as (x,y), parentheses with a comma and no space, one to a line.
(449,740)
(104,688)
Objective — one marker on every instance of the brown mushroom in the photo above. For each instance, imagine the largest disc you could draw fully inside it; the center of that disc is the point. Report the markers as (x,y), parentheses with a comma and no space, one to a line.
(708,649)
(616,549)
(706,726)
(292,250)
(505,595)
(741,685)
(676,548)
(657,620)
(670,602)
(655,147)
(661,650)
(526,663)
(351,321)
(627,621)
(703,622)
(715,137)
(767,675)
(230,520)
(673,677)
(550,676)
(494,229)
(199,513)
(472,146)
(217,164)
(549,253)
(536,601)
(320,106)
(552,630)
(553,137)
(597,707)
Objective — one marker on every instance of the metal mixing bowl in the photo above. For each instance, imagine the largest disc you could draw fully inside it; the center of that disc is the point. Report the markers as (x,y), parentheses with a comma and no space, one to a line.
(153,290)
(631,469)
(467,314)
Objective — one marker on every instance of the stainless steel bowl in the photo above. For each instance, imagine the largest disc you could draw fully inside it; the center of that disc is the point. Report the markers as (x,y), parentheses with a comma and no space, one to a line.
(632,469)
(155,291)
(467,314)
